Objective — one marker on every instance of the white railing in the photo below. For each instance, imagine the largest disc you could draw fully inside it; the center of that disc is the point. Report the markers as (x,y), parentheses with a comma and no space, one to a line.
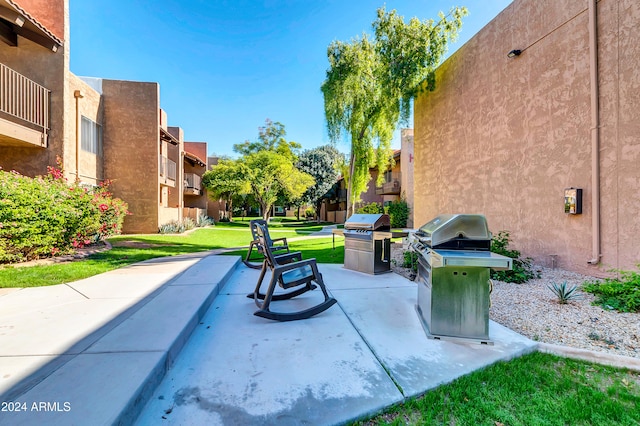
(23,98)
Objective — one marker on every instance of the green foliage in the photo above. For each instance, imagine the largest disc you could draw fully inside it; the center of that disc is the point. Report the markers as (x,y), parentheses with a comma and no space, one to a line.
(371,208)
(322,164)
(621,293)
(310,213)
(535,389)
(410,260)
(563,292)
(265,171)
(177,226)
(522,270)
(371,81)
(45,216)
(271,137)
(398,212)
(205,220)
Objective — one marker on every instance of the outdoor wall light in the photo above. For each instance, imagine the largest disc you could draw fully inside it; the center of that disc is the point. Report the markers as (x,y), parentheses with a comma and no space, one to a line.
(514,53)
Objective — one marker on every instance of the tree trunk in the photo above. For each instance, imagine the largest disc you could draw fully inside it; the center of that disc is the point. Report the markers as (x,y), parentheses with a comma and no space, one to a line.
(318,208)
(352,166)
(230,207)
(266,211)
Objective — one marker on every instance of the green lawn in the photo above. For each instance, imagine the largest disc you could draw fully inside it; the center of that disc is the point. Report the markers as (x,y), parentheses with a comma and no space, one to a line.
(128,249)
(536,389)
(320,248)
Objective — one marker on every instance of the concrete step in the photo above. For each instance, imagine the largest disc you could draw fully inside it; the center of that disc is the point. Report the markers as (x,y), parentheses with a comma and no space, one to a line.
(107,375)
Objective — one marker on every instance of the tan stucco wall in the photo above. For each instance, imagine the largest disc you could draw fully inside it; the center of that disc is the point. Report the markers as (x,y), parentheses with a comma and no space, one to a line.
(90,165)
(131,149)
(503,137)
(406,166)
(176,153)
(51,70)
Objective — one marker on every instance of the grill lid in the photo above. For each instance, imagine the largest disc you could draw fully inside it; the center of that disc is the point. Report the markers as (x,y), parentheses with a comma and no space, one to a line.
(456,231)
(370,222)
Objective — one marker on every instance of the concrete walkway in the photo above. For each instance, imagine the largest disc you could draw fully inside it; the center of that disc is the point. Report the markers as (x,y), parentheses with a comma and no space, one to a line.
(175,341)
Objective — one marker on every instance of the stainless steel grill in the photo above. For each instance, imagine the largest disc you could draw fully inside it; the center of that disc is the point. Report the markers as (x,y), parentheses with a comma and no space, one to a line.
(367,243)
(453,276)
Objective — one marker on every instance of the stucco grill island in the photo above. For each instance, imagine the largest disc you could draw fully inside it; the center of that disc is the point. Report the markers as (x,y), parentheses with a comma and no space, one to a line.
(454,260)
(367,243)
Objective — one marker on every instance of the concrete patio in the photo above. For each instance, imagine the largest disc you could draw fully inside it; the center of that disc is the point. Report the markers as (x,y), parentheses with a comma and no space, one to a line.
(175,341)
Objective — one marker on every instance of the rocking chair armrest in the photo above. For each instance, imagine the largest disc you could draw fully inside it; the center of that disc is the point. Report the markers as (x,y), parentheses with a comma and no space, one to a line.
(278,270)
(283,239)
(285,258)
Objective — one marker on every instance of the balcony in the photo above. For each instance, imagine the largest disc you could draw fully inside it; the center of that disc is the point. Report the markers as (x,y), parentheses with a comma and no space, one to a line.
(192,184)
(391,186)
(24,110)
(167,169)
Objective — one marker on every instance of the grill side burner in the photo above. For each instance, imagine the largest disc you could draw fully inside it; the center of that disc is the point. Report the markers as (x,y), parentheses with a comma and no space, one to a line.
(453,277)
(367,243)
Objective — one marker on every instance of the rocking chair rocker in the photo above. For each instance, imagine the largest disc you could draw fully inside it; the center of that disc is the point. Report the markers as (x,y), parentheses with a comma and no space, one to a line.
(277,245)
(288,273)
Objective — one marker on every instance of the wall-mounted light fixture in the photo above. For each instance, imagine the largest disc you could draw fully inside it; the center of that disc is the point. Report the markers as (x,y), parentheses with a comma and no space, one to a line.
(514,53)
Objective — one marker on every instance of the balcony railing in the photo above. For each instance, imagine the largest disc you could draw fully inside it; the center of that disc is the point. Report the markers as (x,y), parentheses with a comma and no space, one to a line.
(391,185)
(192,184)
(24,99)
(167,170)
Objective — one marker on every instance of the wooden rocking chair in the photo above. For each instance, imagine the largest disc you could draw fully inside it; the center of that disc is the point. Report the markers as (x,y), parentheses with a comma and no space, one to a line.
(288,271)
(277,245)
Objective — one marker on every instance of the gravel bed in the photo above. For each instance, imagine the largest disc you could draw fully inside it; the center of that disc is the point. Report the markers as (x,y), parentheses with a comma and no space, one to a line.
(532,310)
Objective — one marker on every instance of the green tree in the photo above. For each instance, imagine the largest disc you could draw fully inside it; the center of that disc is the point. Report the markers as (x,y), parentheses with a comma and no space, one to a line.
(371,81)
(270,174)
(322,164)
(226,180)
(271,137)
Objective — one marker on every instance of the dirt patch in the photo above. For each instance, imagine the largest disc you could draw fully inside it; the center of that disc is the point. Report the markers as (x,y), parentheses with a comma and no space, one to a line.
(77,255)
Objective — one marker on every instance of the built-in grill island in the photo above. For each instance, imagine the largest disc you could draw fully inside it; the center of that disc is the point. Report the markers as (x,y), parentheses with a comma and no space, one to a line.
(367,243)
(454,260)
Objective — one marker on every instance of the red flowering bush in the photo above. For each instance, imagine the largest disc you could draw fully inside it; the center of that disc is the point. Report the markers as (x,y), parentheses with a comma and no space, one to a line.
(45,216)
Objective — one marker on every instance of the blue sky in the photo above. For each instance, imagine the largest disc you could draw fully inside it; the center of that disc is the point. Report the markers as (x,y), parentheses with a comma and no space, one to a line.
(224,66)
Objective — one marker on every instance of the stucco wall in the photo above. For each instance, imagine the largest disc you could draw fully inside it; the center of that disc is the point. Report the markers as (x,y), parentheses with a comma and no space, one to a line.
(51,70)
(50,13)
(90,165)
(504,136)
(131,149)
(406,165)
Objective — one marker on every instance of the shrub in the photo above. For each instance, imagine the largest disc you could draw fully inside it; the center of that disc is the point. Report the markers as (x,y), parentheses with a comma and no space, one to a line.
(563,292)
(410,260)
(398,212)
(371,208)
(621,294)
(310,213)
(205,220)
(177,227)
(45,216)
(522,270)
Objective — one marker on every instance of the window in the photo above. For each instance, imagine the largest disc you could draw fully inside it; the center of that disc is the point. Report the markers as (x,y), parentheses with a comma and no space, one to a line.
(91,140)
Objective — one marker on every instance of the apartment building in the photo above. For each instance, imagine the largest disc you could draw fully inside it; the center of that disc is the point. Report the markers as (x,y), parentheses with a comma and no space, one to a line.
(541,103)
(95,129)
(397,183)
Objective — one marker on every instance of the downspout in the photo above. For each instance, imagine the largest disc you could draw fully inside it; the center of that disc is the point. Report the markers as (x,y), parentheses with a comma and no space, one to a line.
(595,133)
(78,95)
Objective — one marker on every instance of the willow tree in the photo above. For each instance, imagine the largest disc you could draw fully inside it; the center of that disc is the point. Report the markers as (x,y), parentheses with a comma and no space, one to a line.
(372,80)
